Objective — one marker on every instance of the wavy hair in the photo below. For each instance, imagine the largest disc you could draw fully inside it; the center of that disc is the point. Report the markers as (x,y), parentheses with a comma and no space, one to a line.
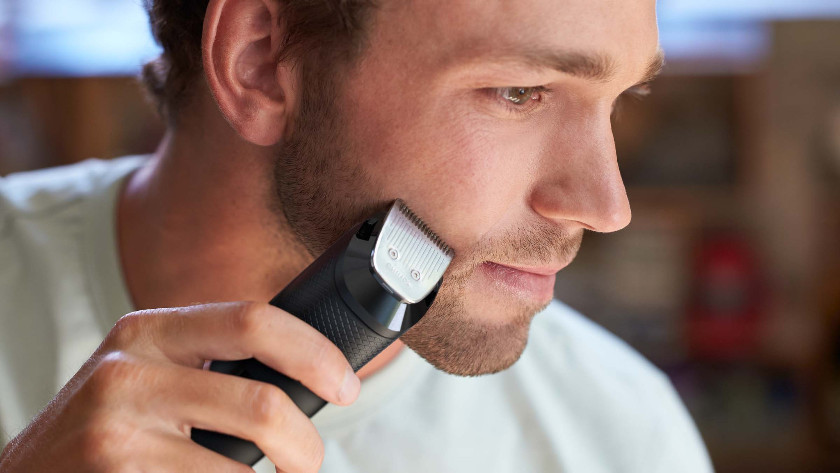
(320,34)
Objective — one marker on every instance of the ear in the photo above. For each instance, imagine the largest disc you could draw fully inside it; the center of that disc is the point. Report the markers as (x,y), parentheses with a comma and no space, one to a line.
(240,47)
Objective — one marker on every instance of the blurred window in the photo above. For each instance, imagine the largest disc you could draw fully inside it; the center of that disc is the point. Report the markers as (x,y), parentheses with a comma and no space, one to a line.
(78,37)
(111,37)
(731,35)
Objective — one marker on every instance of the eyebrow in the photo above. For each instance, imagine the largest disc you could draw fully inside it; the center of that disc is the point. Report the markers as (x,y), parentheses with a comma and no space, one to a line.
(594,67)
(657,63)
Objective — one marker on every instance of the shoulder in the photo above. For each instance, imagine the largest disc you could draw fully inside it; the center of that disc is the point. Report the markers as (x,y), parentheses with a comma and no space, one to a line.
(615,394)
(50,218)
(29,194)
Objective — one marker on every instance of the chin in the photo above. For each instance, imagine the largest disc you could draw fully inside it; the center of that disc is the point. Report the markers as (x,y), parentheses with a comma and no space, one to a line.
(467,333)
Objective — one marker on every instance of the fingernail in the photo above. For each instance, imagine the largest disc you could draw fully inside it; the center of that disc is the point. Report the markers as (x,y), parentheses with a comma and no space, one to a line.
(350,388)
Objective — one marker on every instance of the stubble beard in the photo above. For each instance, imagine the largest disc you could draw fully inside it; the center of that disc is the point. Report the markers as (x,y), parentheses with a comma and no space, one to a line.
(322,189)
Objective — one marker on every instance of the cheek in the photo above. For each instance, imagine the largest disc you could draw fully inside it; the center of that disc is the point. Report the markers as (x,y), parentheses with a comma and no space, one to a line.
(466,173)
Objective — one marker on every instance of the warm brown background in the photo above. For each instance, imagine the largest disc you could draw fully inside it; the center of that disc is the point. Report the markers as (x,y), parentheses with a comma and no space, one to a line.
(750,156)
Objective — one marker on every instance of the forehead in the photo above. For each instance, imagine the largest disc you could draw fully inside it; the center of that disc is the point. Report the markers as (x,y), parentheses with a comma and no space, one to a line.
(441,31)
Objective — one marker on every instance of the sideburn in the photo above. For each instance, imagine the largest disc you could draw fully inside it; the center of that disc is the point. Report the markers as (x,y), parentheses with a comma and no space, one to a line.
(320,186)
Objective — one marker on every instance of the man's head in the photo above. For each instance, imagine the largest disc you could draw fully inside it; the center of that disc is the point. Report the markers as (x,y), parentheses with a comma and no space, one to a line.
(490,118)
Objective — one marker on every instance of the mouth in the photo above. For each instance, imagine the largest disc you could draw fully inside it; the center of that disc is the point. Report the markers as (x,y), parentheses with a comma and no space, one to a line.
(535,283)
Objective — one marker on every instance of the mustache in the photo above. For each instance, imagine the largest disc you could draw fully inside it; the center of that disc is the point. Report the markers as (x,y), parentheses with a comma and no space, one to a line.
(539,244)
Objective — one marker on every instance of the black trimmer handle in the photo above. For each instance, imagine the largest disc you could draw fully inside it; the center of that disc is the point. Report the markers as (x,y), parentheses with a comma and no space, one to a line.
(313,297)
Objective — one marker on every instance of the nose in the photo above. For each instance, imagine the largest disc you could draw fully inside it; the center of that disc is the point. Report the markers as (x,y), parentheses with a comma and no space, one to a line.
(580,183)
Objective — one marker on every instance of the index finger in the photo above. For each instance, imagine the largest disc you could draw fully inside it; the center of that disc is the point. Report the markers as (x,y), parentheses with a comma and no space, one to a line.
(240,330)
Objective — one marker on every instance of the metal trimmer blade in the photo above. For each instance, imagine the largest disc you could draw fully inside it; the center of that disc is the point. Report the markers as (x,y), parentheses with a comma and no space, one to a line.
(409,257)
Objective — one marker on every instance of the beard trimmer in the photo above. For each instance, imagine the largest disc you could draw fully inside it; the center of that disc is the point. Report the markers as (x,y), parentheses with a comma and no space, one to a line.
(371,286)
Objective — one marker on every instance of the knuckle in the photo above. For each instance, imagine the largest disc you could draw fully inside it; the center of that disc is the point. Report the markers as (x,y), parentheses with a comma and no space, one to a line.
(137,326)
(114,373)
(269,406)
(127,329)
(248,318)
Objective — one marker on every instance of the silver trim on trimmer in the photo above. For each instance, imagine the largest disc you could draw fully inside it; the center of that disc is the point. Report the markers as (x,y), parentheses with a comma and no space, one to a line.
(409,257)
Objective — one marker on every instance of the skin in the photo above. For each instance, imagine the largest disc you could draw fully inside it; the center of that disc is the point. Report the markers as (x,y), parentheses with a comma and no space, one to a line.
(420,117)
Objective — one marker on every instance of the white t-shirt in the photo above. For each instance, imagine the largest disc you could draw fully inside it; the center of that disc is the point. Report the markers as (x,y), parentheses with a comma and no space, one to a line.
(578,401)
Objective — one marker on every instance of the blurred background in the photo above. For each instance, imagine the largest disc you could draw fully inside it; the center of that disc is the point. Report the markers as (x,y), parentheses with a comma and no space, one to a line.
(729,276)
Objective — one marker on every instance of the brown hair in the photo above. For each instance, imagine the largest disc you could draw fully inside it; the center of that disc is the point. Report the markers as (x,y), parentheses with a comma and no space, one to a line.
(319,34)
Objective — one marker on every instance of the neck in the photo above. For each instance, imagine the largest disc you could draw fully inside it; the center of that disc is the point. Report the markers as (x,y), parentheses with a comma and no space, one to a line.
(195,226)
(193,231)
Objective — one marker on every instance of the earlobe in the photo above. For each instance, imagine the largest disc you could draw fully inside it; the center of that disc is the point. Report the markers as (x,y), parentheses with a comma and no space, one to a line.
(240,47)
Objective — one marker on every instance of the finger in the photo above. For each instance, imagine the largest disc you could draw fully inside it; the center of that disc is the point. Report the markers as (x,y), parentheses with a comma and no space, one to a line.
(252,410)
(176,453)
(240,330)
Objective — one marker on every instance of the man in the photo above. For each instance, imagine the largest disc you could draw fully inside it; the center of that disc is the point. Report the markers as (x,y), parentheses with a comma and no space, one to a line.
(289,121)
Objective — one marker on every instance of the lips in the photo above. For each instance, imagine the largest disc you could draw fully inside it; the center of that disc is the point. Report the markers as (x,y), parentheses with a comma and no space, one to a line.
(535,283)
(539,270)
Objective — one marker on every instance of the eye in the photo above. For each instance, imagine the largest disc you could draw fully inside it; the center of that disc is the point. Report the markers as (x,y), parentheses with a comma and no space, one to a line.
(520,95)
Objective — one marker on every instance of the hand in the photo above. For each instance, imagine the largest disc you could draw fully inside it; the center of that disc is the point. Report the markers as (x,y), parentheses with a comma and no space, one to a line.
(133,403)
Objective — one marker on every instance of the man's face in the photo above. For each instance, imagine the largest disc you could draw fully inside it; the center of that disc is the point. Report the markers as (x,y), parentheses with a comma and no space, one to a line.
(491,119)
